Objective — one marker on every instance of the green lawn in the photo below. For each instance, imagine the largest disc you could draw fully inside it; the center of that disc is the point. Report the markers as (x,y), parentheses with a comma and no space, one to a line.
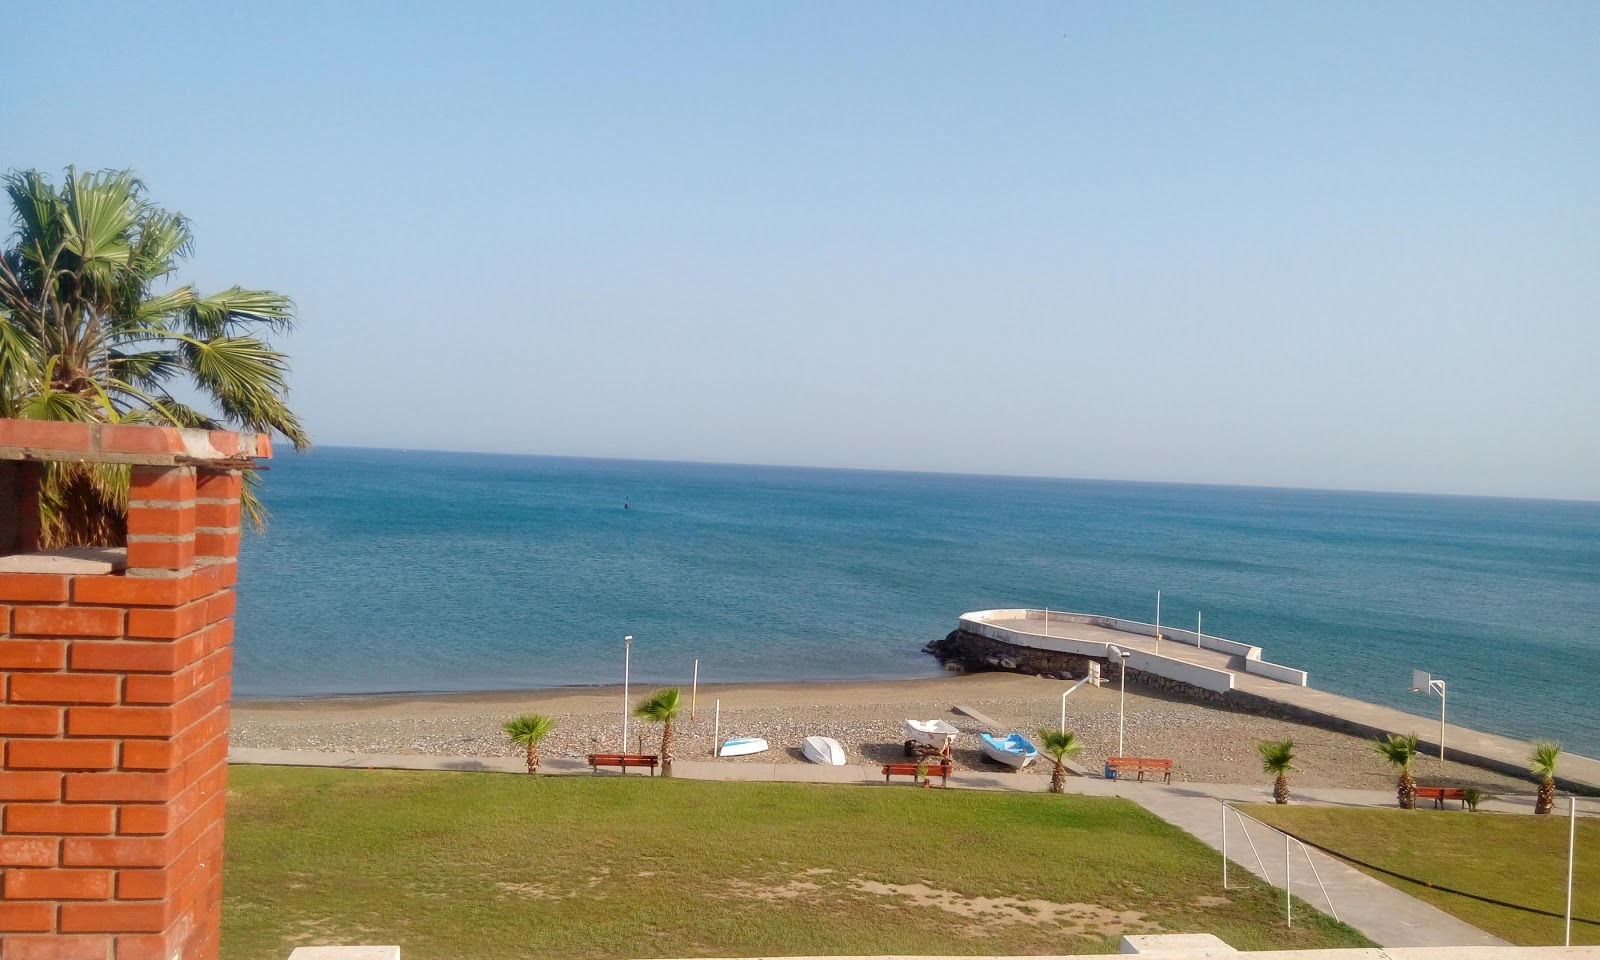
(1515,858)
(453,865)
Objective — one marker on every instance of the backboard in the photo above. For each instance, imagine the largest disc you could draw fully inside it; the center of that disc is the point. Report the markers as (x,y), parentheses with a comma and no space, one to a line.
(1420,680)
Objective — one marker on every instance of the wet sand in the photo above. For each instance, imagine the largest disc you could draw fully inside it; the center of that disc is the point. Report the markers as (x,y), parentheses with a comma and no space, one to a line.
(1207,743)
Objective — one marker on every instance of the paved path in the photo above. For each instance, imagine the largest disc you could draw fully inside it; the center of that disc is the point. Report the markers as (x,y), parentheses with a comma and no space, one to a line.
(1461,743)
(1386,915)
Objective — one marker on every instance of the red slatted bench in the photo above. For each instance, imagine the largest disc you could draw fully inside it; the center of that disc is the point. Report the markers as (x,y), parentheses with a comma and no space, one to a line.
(623,760)
(940,770)
(1440,794)
(1116,767)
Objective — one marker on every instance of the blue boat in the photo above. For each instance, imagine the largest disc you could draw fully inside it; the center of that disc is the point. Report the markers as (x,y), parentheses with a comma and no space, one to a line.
(1013,750)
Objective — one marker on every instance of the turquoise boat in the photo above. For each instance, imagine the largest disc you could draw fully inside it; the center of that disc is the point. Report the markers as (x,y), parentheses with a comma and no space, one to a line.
(1013,750)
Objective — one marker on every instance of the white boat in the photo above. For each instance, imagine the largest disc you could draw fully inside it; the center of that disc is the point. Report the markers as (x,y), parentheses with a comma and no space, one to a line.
(824,750)
(742,747)
(1013,750)
(934,733)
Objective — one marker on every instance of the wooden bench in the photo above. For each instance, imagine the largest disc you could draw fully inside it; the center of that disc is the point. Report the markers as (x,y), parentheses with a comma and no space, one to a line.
(1117,767)
(623,760)
(940,770)
(1440,794)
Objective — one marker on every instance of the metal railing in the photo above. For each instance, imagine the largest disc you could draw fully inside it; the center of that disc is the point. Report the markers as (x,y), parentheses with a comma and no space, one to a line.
(1288,861)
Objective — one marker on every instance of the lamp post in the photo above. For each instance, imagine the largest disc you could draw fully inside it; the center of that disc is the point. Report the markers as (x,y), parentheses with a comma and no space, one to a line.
(1572,849)
(1158,621)
(1424,683)
(627,657)
(1122,698)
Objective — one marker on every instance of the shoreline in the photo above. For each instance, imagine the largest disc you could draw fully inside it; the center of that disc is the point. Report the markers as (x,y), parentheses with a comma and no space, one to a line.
(510,694)
(1208,742)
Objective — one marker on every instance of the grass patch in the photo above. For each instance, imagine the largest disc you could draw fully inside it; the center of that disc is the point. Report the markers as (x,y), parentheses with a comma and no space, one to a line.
(1515,858)
(452,865)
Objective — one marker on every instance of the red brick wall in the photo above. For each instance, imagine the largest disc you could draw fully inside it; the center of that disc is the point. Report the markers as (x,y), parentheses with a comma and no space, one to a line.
(114,736)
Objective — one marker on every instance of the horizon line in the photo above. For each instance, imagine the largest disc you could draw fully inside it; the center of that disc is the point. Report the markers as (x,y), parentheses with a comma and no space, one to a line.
(956,473)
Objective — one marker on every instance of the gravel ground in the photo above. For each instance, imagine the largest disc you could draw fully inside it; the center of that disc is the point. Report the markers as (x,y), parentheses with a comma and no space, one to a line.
(1207,743)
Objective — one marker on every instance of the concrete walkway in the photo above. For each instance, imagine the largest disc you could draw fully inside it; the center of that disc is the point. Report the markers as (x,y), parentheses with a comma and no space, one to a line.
(1385,914)
(1462,744)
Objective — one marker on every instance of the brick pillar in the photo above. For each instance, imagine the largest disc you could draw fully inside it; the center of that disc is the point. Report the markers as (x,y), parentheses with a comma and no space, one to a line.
(113,725)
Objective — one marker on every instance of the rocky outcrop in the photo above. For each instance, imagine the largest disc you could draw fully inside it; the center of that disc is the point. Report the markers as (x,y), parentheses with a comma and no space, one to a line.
(975,653)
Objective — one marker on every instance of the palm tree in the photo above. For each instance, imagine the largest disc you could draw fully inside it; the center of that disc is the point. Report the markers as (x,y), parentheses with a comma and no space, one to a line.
(1277,759)
(1402,751)
(93,331)
(527,731)
(1542,763)
(1059,744)
(662,707)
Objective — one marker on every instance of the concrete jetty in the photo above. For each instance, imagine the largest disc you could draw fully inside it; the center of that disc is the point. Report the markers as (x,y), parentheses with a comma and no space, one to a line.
(1221,670)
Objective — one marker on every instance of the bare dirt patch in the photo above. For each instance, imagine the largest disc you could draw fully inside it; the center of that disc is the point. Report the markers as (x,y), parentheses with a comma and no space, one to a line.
(994,911)
(981,914)
(792,890)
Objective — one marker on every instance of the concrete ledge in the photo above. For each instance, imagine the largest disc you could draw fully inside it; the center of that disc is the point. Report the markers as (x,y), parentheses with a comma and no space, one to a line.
(69,561)
(345,953)
(1347,953)
(1386,953)
(1197,945)
(127,443)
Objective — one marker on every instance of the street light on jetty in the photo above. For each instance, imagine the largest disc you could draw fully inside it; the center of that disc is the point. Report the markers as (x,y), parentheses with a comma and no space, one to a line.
(1122,698)
(1158,621)
(627,657)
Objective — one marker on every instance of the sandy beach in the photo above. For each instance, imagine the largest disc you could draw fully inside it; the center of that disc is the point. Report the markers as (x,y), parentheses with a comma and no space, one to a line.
(1207,743)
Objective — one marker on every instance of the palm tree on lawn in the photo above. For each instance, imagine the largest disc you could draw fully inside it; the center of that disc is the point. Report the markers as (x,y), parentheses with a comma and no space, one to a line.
(94,330)
(1542,763)
(528,731)
(662,707)
(1277,759)
(1059,744)
(1402,752)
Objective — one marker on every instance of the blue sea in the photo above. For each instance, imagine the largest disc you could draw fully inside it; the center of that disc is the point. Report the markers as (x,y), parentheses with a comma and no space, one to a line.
(387,570)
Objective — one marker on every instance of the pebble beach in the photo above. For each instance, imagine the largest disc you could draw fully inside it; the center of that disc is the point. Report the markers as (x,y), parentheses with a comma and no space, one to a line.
(1207,743)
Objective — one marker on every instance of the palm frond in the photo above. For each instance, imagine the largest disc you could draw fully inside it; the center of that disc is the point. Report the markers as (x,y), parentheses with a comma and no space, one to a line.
(1277,756)
(248,379)
(58,405)
(19,366)
(662,706)
(157,312)
(250,502)
(225,313)
(163,239)
(1542,761)
(1059,744)
(149,369)
(1398,750)
(529,729)
(100,212)
(36,212)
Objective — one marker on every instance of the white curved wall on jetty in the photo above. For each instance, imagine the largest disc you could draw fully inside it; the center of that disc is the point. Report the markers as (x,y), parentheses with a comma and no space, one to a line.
(1216,676)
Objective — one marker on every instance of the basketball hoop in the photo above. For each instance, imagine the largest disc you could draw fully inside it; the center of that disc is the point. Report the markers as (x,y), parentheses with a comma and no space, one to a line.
(1424,682)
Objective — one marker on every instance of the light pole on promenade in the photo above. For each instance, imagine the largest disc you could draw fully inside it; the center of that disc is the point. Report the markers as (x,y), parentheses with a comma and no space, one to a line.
(1122,698)
(627,657)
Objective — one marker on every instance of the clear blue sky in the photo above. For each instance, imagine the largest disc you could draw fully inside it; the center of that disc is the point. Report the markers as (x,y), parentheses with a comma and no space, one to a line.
(1337,245)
